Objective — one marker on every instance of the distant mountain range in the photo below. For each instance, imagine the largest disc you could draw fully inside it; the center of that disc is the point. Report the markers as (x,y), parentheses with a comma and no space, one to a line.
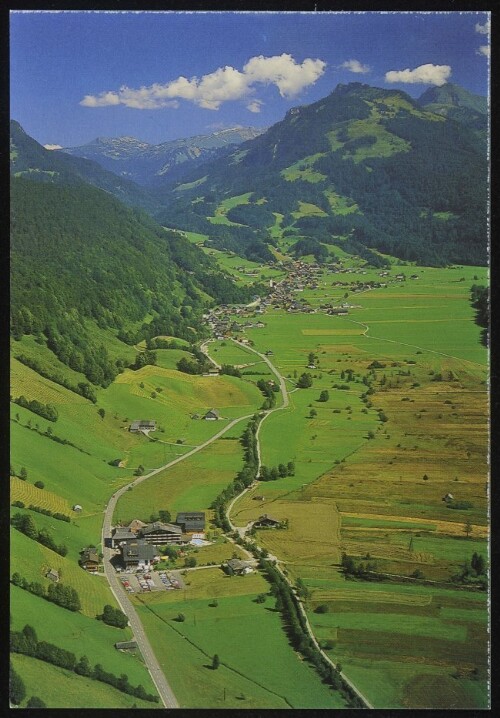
(368,169)
(149,164)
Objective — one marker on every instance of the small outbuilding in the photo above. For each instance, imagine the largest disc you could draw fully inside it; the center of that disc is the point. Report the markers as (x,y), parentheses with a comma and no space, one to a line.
(447,498)
(77,508)
(53,575)
(124,645)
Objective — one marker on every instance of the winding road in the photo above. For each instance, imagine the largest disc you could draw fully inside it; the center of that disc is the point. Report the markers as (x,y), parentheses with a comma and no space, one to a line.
(163,687)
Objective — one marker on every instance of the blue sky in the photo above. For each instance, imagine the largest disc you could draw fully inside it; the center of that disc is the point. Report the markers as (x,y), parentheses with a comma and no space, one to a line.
(160,76)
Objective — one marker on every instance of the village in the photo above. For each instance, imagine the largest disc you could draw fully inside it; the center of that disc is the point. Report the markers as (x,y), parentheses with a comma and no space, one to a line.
(301,275)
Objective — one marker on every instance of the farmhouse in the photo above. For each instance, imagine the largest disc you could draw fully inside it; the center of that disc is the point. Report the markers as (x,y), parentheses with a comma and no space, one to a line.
(89,559)
(139,554)
(212,415)
(159,533)
(235,567)
(122,535)
(53,575)
(266,521)
(142,425)
(191,521)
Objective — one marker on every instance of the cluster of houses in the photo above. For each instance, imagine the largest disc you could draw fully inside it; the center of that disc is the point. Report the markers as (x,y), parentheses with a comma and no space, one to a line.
(138,542)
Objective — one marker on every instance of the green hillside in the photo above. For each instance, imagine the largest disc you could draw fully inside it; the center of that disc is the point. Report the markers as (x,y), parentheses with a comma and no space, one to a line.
(396,164)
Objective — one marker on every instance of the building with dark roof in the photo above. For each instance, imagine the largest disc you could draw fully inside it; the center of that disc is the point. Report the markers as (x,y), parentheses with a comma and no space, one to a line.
(236,567)
(191,521)
(122,535)
(138,554)
(142,425)
(266,521)
(89,559)
(159,533)
(212,415)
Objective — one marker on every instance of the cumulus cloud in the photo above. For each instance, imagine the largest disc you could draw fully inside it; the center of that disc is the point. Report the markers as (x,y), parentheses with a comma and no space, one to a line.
(424,74)
(484,50)
(53,147)
(254,105)
(355,66)
(483,29)
(225,84)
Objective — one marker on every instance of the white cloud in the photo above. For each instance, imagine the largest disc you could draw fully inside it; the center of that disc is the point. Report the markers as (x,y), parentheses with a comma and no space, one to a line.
(223,85)
(355,66)
(483,29)
(484,50)
(424,74)
(53,147)
(255,105)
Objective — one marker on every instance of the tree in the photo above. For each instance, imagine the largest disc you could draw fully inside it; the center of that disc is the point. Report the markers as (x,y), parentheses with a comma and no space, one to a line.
(164,516)
(311,358)
(324,396)
(180,618)
(190,562)
(17,690)
(101,413)
(39,484)
(305,381)
(215,662)
(23,474)
(313,413)
(290,467)
(261,598)
(478,563)
(467,528)
(83,667)
(35,702)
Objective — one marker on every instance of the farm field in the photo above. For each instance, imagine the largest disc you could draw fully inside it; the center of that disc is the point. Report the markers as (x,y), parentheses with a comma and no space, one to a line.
(415,431)
(61,688)
(257,669)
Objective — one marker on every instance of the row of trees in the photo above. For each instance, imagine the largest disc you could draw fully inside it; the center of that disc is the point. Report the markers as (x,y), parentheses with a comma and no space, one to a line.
(27,643)
(82,388)
(277,472)
(25,524)
(17,691)
(47,411)
(243,479)
(46,512)
(64,596)
(296,627)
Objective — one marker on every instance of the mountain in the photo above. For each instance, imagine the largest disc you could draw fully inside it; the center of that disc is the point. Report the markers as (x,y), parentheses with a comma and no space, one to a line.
(149,164)
(457,104)
(28,158)
(364,167)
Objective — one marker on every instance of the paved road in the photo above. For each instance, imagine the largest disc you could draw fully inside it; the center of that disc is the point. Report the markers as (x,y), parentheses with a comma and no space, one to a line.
(161,683)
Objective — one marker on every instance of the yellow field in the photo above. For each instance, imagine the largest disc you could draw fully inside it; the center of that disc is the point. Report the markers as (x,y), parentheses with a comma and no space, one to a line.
(184,389)
(451,528)
(29,494)
(25,381)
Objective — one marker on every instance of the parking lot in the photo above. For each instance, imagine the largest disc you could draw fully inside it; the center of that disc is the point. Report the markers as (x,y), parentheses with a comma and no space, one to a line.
(144,581)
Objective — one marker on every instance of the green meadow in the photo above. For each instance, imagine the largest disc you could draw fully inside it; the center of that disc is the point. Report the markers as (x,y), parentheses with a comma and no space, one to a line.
(257,670)
(82,635)
(61,688)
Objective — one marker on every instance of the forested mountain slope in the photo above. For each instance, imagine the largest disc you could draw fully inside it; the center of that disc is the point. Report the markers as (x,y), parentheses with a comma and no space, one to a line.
(363,163)
(79,254)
